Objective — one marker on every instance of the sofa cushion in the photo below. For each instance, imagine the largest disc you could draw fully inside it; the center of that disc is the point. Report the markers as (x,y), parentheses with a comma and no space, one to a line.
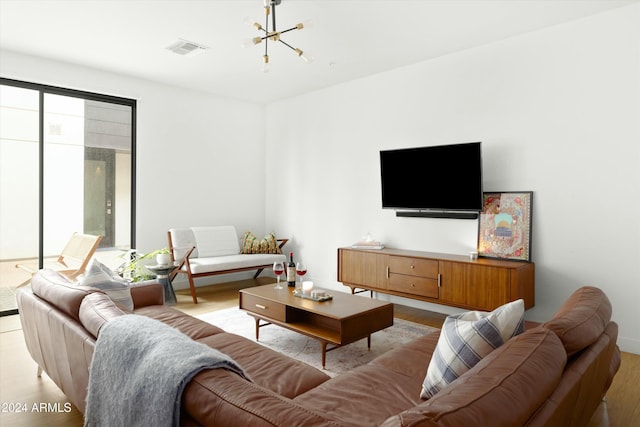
(468,337)
(216,241)
(503,389)
(101,277)
(56,289)
(188,325)
(410,359)
(581,319)
(268,244)
(230,262)
(267,368)
(364,396)
(97,309)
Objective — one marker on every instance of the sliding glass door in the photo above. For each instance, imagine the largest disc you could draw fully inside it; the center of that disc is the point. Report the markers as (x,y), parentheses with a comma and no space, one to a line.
(68,161)
(19,187)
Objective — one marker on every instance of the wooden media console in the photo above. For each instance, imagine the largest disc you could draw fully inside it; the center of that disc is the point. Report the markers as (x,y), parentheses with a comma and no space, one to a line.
(454,280)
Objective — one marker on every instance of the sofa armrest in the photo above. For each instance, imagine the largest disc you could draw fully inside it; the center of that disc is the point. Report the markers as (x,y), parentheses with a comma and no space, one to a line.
(146,293)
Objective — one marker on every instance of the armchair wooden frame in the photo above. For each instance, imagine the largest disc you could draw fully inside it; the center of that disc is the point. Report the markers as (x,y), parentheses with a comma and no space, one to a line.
(183,266)
(73,259)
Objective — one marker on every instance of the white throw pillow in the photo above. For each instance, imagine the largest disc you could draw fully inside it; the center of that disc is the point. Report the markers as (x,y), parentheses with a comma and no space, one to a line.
(102,277)
(468,337)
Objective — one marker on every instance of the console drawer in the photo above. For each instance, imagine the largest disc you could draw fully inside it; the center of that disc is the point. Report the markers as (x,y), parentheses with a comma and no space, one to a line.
(264,307)
(413,266)
(414,285)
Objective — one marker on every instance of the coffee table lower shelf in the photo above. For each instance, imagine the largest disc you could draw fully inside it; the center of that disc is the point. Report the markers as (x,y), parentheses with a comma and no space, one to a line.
(324,337)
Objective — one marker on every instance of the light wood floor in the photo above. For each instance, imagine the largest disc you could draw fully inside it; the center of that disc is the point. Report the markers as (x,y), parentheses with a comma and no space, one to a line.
(19,384)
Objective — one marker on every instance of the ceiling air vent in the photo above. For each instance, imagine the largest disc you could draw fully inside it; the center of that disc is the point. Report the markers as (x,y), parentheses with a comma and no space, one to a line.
(186,48)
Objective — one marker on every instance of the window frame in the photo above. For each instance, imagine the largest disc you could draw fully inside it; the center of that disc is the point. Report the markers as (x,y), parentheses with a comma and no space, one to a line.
(43,89)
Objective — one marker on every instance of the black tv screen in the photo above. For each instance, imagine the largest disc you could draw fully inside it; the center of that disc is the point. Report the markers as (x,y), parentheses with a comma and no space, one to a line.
(442,177)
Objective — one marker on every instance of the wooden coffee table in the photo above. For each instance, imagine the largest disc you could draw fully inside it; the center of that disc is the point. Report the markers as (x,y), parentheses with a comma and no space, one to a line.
(340,321)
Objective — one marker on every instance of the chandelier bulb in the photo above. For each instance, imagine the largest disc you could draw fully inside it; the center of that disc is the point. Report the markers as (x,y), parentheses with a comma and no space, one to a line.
(247,20)
(304,24)
(307,58)
(265,64)
(304,56)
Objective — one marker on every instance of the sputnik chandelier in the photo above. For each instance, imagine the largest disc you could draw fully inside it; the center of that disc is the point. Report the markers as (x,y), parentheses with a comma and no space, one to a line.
(272,34)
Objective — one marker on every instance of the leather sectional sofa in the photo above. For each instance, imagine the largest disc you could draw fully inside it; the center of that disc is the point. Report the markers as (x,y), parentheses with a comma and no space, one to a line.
(554,374)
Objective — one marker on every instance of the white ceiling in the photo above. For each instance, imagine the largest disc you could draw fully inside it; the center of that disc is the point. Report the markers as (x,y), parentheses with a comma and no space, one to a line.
(349,38)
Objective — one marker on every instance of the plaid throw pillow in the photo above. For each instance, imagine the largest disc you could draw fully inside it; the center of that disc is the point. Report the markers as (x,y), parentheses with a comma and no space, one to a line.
(101,277)
(466,338)
(268,245)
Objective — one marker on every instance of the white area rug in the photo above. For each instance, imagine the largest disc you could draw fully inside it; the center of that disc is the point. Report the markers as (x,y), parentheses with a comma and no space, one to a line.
(308,350)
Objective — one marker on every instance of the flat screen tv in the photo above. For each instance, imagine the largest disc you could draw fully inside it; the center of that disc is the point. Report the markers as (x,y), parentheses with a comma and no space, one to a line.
(446,178)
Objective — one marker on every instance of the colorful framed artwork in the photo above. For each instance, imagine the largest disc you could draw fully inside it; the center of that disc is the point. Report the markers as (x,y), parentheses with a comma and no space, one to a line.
(504,229)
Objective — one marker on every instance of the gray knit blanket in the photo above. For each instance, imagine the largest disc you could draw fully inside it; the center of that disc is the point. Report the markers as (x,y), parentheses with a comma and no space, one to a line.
(139,370)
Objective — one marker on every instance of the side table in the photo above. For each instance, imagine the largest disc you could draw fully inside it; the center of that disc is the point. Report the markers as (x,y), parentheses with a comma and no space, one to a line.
(162,274)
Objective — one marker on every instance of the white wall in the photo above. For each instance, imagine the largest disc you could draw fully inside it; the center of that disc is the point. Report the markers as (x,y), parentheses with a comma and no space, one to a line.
(200,158)
(558,112)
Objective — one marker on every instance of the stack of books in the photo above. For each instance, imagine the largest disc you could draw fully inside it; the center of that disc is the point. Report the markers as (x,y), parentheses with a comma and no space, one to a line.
(368,244)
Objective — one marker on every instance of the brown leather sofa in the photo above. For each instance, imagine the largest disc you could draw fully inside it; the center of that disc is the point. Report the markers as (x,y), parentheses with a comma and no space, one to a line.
(554,374)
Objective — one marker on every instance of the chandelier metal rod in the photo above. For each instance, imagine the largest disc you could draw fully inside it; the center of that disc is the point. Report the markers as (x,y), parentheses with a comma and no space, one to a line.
(287,45)
(273,14)
(266,30)
(276,33)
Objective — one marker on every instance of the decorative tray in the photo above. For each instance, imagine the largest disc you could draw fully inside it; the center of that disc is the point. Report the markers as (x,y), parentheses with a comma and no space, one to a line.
(325,297)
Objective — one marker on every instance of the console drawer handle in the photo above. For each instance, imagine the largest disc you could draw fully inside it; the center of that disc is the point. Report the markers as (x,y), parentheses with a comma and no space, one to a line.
(264,307)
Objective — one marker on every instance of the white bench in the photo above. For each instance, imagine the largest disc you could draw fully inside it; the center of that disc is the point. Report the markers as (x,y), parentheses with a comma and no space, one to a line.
(214,250)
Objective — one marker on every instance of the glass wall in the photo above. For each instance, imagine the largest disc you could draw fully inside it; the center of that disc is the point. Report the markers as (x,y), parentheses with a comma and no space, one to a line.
(67,162)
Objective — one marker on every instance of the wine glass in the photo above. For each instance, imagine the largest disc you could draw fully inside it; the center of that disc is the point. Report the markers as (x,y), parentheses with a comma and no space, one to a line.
(278,269)
(301,270)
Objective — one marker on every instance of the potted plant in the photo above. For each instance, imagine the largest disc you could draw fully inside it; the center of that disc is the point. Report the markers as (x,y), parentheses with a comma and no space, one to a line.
(134,268)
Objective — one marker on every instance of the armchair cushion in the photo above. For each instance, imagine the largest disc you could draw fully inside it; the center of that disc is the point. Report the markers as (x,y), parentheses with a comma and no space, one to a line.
(216,241)
(232,262)
(182,240)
